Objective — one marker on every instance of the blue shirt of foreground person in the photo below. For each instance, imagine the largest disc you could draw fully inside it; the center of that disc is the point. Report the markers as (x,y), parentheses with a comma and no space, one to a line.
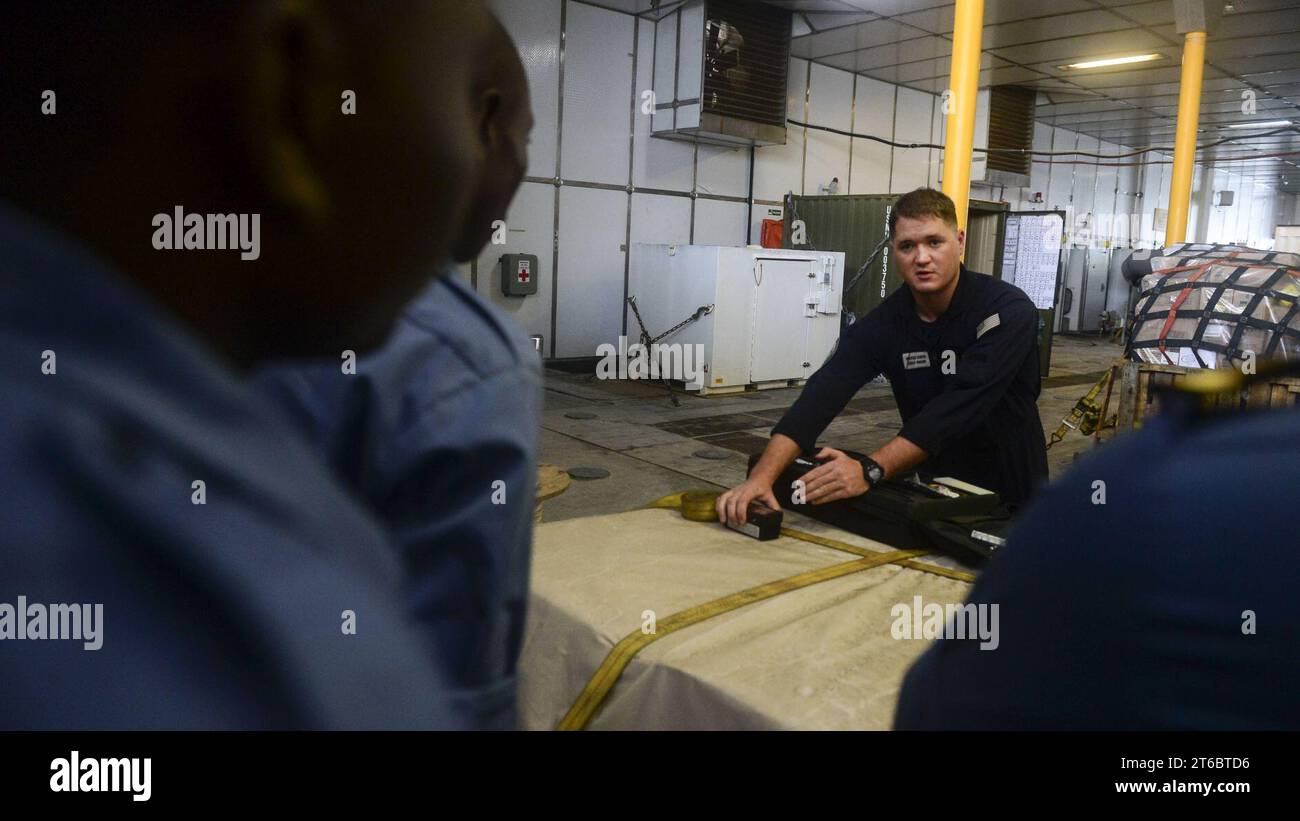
(1171,605)
(223,615)
(438,431)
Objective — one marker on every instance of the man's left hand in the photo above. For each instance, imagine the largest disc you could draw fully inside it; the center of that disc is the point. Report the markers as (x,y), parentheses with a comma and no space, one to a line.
(838,477)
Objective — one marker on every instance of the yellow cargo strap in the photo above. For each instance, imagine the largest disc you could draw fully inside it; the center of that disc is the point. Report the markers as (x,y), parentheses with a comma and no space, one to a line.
(593,695)
(697,505)
(926,567)
(607,674)
(1085,416)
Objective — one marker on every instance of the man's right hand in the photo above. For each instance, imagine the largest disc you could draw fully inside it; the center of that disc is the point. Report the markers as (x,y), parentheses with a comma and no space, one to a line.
(733,506)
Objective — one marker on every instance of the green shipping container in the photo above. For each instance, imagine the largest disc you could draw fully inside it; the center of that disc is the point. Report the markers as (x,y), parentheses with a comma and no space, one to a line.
(852,224)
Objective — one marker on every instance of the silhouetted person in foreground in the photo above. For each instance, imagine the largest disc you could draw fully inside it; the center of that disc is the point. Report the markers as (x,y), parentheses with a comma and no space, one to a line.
(236,584)
(438,430)
(1152,587)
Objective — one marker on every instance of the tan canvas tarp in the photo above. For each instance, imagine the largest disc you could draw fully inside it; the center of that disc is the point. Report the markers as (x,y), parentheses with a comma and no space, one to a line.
(822,657)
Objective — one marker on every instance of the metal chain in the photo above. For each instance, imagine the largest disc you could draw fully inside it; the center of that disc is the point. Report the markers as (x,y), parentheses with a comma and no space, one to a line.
(702,311)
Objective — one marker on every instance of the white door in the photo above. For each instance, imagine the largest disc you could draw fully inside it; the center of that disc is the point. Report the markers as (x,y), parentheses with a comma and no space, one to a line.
(780,329)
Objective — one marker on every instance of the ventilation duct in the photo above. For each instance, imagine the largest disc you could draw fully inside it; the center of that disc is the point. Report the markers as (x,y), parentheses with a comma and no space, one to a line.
(1011,126)
(720,69)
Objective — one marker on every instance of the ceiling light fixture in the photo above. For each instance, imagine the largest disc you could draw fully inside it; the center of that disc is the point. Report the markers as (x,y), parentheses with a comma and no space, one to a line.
(1269,124)
(1113,61)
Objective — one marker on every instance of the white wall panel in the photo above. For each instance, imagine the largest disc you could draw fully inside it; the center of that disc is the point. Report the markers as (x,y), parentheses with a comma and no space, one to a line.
(534,25)
(938,136)
(663,62)
(597,82)
(1061,171)
(912,125)
(1103,206)
(1227,215)
(690,77)
(1243,202)
(779,168)
(1256,211)
(1264,223)
(1152,198)
(830,103)
(530,227)
(1199,207)
(980,160)
(720,223)
(590,284)
(1085,176)
(1127,203)
(656,162)
(663,219)
(1039,169)
(1162,202)
(875,116)
(1218,231)
(723,171)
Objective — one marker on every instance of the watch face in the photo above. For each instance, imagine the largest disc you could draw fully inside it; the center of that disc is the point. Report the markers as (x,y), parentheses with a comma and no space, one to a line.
(875,474)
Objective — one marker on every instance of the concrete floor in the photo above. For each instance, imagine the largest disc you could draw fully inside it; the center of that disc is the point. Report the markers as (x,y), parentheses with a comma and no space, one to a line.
(648,446)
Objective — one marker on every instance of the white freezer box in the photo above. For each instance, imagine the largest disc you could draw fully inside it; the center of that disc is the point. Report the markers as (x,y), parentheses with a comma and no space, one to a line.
(775,313)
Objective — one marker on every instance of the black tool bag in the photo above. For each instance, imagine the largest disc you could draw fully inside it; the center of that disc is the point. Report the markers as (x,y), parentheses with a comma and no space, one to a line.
(907,514)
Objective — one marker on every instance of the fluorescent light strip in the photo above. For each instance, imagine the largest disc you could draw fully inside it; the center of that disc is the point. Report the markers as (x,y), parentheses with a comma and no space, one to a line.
(1114,61)
(1269,124)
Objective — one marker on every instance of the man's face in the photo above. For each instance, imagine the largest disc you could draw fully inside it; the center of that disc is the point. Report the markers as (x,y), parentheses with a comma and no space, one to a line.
(928,253)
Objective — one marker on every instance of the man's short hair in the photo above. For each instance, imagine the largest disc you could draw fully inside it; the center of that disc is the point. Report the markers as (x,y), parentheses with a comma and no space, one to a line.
(924,202)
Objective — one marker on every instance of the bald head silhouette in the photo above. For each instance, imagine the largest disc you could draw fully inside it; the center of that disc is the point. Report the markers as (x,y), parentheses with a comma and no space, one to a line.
(240,109)
(503,121)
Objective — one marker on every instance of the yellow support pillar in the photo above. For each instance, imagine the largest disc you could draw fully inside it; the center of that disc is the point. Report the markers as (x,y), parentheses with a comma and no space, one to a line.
(963,83)
(1189,113)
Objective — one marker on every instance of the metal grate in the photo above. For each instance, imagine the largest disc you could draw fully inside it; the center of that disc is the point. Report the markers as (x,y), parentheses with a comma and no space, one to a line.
(746,56)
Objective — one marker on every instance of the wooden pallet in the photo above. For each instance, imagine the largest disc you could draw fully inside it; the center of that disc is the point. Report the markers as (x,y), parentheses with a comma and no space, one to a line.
(1139,382)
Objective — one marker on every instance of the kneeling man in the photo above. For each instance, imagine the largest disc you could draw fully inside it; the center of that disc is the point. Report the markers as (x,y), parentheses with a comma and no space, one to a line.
(960,351)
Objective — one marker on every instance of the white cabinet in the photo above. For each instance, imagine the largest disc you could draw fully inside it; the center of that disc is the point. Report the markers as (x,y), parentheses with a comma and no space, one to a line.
(775,313)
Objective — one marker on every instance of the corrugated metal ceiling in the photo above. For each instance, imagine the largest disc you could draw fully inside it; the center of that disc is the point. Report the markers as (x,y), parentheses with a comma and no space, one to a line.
(1026,41)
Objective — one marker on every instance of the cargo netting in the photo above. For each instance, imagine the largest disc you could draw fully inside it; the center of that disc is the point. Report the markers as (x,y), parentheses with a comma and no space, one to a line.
(1214,306)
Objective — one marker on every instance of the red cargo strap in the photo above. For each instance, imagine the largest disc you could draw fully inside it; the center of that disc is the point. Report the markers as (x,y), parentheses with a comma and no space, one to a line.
(1183,294)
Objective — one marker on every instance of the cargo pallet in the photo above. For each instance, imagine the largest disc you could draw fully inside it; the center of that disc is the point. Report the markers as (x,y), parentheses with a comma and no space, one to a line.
(1140,381)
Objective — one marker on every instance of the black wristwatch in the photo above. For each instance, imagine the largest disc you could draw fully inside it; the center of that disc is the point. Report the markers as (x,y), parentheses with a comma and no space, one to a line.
(871,471)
